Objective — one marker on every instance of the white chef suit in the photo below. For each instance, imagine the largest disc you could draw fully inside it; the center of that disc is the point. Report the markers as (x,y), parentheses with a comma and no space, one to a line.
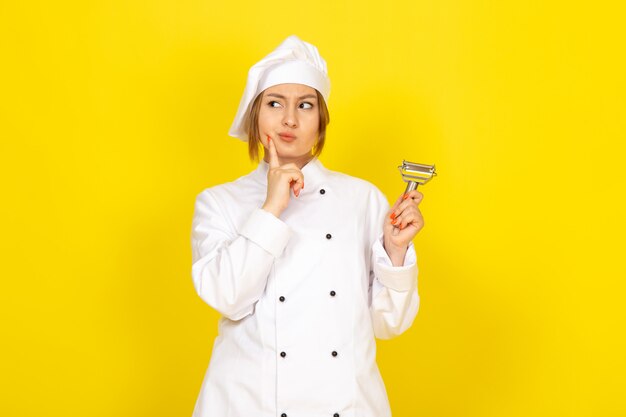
(301,296)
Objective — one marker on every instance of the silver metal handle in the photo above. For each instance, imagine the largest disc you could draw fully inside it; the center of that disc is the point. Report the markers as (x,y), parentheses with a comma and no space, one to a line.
(410,186)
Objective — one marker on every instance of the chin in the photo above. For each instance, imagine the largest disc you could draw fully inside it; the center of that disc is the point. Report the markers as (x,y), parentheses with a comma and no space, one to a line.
(288,150)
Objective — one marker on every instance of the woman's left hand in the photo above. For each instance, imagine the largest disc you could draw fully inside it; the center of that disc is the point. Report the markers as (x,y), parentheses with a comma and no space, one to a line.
(402,223)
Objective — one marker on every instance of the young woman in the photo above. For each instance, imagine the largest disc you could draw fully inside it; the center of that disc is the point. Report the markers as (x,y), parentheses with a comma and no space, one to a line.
(307,266)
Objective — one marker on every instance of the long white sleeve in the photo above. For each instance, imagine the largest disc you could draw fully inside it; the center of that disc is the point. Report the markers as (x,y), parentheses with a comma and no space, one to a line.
(230,268)
(395,300)
(394,295)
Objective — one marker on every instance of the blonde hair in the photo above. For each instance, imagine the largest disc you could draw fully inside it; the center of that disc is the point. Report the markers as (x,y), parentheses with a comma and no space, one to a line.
(252,127)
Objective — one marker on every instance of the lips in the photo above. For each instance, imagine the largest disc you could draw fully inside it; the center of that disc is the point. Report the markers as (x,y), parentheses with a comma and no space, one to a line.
(287,137)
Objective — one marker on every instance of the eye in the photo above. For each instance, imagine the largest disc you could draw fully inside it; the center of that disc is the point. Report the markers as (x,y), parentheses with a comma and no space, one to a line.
(272,102)
(306,103)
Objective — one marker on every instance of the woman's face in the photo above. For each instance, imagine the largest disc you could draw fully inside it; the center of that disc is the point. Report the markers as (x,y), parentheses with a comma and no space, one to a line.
(289,114)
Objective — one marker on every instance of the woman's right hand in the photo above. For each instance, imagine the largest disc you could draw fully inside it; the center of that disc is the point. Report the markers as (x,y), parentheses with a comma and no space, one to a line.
(280,181)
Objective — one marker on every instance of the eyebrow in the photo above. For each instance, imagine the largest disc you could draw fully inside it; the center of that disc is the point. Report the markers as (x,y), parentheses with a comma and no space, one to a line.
(300,98)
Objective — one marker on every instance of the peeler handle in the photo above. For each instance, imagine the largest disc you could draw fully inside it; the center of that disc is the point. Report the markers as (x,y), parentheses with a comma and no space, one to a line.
(410,186)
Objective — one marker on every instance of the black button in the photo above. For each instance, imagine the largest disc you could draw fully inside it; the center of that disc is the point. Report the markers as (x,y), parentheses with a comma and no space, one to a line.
(282,298)
(283,354)
(328,236)
(334,415)
(322,191)
(285,415)
(334,353)
(332,293)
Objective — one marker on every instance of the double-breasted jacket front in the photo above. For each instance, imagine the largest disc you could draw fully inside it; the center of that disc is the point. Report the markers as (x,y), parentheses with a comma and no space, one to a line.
(302,297)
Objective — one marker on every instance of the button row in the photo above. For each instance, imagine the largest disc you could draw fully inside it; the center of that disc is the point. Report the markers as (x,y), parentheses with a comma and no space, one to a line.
(334,353)
(282,298)
(323,191)
(332,293)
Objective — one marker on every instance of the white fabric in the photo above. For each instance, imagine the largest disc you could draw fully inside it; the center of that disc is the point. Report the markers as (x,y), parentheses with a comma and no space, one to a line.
(293,61)
(245,259)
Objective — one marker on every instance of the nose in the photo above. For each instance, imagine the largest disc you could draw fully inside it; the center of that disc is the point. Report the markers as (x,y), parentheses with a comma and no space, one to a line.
(289,117)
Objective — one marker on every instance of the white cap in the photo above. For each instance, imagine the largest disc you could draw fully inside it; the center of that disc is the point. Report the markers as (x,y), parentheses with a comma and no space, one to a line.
(293,61)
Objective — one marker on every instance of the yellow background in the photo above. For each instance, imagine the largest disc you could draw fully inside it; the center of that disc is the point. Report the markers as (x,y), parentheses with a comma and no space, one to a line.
(114,116)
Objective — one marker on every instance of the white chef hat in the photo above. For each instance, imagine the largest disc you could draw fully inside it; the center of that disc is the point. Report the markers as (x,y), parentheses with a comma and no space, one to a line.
(293,61)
